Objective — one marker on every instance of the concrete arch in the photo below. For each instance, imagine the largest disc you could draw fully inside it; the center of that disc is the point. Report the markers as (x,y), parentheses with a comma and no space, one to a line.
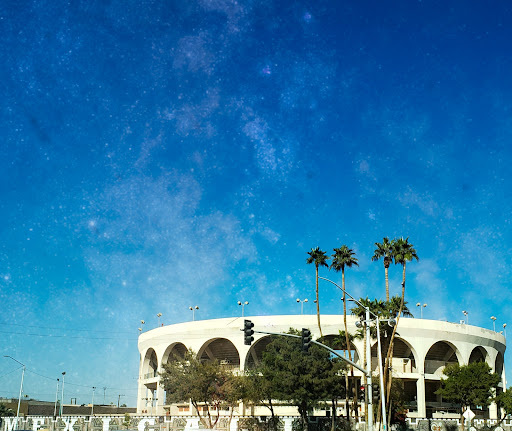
(404,356)
(498,364)
(439,355)
(479,354)
(174,350)
(255,353)
(221,349)
(150,364)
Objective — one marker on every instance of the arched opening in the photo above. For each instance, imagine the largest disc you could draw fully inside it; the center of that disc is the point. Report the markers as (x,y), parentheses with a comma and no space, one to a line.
(256,352)
(478,354)
(403,357)
(439,356)
(498,364)
(221,349)
(173,352)
(150,365)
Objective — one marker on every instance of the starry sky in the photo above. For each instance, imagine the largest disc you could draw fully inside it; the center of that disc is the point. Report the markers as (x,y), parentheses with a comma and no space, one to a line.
(157,155)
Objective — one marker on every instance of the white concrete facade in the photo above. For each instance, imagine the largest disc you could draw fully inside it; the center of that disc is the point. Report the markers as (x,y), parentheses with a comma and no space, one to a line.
(422,349)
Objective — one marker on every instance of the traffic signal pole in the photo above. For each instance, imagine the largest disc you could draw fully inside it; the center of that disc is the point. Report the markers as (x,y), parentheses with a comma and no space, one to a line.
(248,331)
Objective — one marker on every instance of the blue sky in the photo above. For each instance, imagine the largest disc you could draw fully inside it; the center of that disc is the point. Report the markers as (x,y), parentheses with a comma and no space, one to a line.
(160,155)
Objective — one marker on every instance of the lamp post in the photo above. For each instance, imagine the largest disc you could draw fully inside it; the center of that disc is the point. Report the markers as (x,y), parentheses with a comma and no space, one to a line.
(21,389)
(369,395)
(493,318)
(193,312)
(56,396)
(302,304)
(142,323)
(466,316)
(243,304)
(421,308)
(505,330)
(62,394)
(159,315)
(92,404)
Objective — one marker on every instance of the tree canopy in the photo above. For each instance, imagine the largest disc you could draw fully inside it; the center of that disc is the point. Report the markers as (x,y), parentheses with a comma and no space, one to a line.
(469,385)
(205,383)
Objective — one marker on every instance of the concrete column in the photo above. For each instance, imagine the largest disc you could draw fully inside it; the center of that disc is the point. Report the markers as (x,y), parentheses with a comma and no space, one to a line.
(493,411)
(160,399)
(420,396)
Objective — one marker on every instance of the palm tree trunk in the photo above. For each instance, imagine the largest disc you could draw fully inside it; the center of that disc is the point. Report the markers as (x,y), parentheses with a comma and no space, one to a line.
(318,304)
(386,269)
(389,355)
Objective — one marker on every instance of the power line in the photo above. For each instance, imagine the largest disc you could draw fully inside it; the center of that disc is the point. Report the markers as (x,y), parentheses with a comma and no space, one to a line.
(67,336)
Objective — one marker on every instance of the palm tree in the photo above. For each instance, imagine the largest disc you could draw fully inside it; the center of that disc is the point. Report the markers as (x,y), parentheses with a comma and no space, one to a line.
(319,258)
(403,252)
(345,257)
(384,250)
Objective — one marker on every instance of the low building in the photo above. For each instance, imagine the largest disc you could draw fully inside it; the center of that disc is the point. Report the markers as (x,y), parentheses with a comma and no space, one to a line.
(421,351)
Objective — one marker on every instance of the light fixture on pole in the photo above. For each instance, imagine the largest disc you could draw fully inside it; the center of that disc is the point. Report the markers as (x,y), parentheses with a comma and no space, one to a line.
(142,323)
(421,308)
(159,315)
(505,330)
(193,312)
(243,304)
(62,394)
(92,404)
(493,318)
(302,304)
(21,389)
(56,396)
(466,316)
(369,399)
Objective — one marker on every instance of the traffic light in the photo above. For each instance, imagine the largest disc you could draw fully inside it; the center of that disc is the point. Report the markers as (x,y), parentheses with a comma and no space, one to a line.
(248,331)
(306,340)
(361,394)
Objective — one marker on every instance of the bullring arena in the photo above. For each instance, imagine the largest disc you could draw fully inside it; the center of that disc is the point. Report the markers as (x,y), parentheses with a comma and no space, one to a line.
(421,351)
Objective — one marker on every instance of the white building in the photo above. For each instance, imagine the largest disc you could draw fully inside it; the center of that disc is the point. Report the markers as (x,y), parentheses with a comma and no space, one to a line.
(421,351)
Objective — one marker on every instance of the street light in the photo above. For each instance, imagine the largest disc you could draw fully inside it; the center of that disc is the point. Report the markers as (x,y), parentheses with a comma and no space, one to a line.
(505,330)
(302,304)
(369,402)
(466,316)
(421,308)
(92,405)
(21,388)
(493,318)
(193,313)
(159,315)
(243,304)
(62,394)
(56,396)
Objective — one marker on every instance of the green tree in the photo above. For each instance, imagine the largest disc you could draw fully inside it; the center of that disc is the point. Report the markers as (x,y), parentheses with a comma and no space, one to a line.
(205,383)
(5,411)
(302,379)
(504,401)
(469,385)
(319,258)
(345,257)
(384,250)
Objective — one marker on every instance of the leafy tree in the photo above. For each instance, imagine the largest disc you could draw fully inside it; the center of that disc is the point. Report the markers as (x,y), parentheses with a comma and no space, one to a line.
(504,401)
(384,250)
(345,257)
(126,421)
(5,411)
(205,383)
(468,385)
(302,379)
(319,258)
